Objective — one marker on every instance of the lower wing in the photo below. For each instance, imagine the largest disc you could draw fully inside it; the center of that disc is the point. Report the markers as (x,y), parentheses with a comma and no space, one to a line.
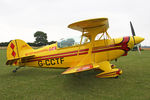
(80,68)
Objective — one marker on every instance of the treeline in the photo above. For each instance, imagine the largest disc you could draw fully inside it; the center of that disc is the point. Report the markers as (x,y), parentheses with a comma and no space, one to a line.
(40,40)
(5,44)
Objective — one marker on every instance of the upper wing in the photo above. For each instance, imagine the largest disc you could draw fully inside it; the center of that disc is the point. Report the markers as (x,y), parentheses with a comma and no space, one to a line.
(99,24)
(80,68)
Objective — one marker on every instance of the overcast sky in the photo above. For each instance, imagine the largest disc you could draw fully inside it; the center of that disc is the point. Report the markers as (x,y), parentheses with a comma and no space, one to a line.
(20,19)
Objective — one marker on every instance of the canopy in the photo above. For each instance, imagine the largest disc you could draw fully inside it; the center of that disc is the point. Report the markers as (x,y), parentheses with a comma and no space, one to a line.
(98,25)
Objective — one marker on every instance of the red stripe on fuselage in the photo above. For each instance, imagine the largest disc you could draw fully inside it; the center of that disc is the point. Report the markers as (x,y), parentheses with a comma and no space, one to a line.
(63,53)
(106,49)
(66,54)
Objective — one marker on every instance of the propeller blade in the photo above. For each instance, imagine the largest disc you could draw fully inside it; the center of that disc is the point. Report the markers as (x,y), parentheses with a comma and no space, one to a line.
(132,29)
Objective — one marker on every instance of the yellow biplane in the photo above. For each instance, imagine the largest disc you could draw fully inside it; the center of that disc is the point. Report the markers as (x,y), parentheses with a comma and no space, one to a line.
(95,51)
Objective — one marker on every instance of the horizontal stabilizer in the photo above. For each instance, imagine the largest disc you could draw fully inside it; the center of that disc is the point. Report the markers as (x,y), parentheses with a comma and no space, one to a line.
(10,62)
(26,58)
(22,60)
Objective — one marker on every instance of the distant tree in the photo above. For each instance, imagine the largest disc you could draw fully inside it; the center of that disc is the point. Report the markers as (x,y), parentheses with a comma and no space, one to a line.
(40,38)
(4,44)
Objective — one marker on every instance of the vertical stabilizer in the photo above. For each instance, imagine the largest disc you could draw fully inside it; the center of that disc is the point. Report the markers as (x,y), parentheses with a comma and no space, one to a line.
(16,49)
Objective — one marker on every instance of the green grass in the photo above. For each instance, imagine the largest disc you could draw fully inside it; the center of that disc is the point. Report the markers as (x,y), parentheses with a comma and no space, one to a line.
(48,84)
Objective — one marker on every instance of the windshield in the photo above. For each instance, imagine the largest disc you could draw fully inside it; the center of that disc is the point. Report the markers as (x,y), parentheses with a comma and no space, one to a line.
(66,42)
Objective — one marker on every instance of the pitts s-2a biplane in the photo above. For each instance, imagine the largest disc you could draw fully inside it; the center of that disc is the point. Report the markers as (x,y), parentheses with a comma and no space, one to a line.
(90,54)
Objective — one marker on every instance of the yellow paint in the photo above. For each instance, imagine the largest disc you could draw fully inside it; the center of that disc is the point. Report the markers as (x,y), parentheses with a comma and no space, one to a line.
(82,57)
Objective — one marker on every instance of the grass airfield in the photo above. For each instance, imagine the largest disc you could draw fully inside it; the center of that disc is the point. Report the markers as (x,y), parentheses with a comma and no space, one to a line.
(48,84)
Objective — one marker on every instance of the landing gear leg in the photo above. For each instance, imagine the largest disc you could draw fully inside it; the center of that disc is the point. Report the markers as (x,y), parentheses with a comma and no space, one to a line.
(14,71)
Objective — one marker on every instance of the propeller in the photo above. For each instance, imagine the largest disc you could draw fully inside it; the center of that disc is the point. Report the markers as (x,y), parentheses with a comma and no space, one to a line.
(133,34)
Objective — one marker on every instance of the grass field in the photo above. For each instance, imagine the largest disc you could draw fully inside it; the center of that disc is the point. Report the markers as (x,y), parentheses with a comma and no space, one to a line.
(49,84)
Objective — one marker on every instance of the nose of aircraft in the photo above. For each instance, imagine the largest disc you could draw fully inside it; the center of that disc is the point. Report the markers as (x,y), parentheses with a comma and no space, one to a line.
(138,39)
